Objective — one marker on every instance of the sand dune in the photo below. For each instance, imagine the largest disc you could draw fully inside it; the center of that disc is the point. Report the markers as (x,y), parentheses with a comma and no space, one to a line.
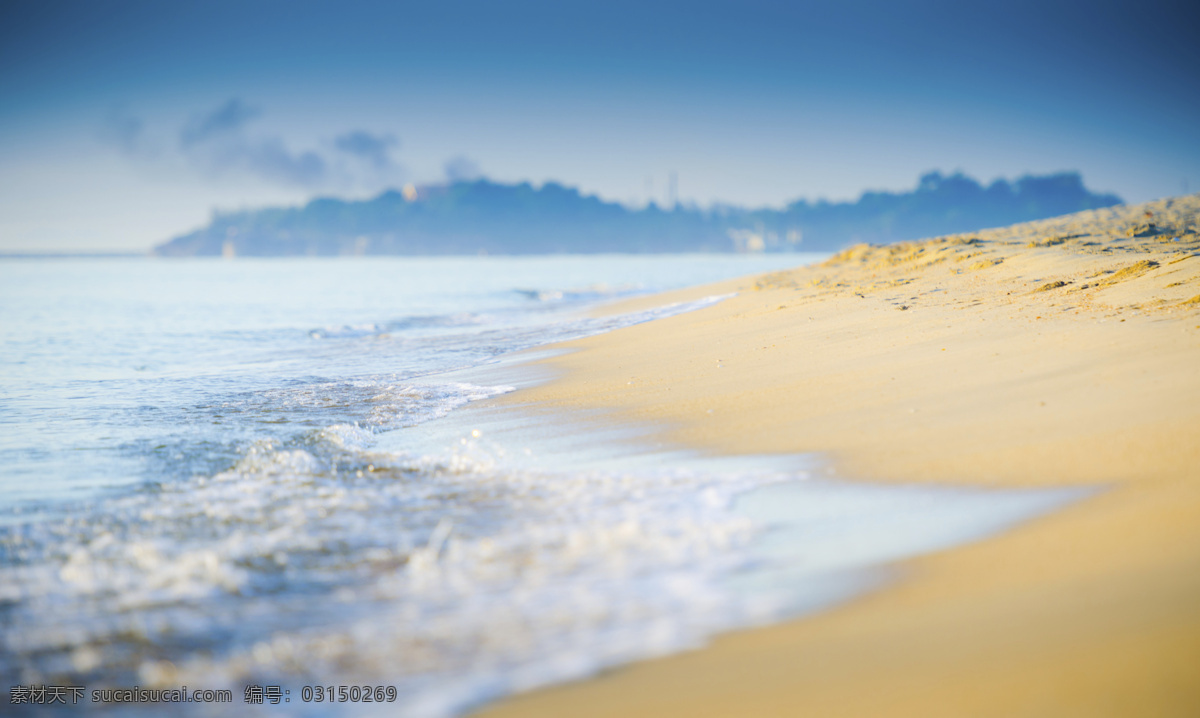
(1059,352)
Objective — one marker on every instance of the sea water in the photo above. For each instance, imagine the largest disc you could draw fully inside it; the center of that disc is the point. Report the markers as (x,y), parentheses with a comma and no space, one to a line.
(229,473)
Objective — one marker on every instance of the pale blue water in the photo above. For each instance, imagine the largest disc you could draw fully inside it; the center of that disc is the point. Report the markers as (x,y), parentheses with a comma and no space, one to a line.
(134,371)
(222,473)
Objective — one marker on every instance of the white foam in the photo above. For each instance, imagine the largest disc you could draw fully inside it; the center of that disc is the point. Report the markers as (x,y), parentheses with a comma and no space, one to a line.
(361,536)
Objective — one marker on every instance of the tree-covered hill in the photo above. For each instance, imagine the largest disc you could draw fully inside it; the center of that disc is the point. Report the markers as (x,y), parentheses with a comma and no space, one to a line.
(487,217)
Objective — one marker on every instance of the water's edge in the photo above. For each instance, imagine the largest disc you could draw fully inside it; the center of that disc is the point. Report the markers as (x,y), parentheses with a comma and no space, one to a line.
(819,540)
(272,505)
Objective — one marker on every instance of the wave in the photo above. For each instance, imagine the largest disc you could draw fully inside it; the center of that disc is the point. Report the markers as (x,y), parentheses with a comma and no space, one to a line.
(454,573)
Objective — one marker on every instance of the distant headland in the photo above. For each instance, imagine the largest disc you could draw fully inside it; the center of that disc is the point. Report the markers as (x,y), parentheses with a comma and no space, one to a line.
(486,217)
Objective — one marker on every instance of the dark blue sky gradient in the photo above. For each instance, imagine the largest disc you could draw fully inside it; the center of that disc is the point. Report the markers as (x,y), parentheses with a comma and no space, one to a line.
(753,102)
(51,51)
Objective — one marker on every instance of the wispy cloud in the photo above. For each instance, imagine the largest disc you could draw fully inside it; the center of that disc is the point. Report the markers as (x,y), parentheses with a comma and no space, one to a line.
(461,168)
(270,159)
(124,131)
(374,149)
(227,119)
(217,144)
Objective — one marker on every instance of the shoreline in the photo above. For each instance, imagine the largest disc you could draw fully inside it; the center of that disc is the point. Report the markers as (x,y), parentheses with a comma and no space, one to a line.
(1055,353)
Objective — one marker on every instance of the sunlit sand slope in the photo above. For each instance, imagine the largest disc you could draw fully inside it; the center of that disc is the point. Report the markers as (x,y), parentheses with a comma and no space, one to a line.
(1060,352)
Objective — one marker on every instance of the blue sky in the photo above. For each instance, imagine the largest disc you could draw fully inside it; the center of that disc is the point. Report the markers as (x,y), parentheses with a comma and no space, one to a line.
(124,123)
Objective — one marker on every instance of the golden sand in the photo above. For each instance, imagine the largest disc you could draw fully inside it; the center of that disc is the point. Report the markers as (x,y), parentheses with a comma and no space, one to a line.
(1060,352)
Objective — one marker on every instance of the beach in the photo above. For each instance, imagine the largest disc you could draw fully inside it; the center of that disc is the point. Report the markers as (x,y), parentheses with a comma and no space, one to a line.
(1064,352)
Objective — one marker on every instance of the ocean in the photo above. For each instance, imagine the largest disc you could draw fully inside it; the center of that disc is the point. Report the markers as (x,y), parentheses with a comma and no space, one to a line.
(282,473)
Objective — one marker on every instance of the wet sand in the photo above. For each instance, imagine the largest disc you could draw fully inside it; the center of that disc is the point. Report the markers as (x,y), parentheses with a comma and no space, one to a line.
(1055,353)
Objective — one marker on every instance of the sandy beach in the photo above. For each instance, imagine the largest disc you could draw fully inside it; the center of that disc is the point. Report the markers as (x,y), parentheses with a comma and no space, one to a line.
(1064,352)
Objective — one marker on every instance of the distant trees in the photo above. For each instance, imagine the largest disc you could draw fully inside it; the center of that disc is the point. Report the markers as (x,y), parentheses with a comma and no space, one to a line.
(481,216)
(940,205)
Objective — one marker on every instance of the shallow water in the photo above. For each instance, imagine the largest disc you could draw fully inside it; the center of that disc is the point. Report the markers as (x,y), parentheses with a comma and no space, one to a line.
(228,473)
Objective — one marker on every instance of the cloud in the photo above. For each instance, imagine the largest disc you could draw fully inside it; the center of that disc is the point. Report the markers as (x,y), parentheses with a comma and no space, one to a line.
(124,131)
(271,160)
(267,158)
(364,145)
(216,144)
(461,169)
(227,119)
